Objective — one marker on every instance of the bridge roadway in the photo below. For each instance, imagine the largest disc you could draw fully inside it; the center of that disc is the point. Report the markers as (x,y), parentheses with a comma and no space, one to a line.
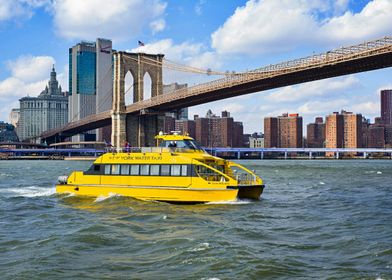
(367,56)
(213,151)
(309,151)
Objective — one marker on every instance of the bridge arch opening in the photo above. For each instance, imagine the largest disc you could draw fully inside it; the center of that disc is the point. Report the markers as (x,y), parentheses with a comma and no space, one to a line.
(128,88)
(147,86)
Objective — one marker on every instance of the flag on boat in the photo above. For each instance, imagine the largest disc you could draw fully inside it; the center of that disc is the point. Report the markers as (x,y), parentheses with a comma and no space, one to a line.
(140,43)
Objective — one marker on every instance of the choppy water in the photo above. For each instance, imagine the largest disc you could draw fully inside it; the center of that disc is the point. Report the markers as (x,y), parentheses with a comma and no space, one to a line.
(317,219)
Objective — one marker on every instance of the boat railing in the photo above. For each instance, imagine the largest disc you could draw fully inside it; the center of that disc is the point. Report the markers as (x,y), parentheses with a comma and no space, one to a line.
(151,150)
(246,179)
(243,175)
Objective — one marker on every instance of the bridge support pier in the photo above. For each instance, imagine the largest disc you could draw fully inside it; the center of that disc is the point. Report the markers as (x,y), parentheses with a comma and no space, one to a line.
(141,129)
(118,130)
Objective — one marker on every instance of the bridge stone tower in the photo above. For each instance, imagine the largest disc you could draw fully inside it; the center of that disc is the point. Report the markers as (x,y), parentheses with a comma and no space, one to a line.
(138,130)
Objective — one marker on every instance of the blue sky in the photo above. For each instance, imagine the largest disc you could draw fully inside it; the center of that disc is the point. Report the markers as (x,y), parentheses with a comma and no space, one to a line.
(221,35)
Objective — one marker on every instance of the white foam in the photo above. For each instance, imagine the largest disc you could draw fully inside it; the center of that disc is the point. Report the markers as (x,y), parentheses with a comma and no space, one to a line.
(200,247)
(231,202)
(321,183)
(379,172)
(32,191)
(102,197)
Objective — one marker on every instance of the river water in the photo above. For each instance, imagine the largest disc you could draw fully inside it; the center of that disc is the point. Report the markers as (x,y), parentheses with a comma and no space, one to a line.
(316,219)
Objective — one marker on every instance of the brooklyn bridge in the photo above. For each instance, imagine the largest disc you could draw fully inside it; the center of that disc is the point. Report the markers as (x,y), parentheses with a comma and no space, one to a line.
(139,122)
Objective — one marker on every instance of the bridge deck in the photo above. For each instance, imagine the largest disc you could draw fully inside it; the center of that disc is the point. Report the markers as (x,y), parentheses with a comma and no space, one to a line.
(367,56)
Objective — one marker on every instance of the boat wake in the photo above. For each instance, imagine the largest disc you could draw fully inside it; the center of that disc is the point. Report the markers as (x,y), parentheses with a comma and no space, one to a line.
(32,191)
(232,202)
(103,198)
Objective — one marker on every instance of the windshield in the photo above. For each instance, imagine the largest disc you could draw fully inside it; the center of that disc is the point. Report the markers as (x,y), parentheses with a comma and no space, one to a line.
(187,144)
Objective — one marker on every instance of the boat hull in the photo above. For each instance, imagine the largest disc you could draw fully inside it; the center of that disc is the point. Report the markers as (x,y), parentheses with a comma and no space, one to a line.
(167,194)
(250,192)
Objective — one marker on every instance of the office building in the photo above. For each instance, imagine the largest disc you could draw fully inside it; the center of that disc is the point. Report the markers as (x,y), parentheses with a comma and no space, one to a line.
(14,117)
(316,133)
(90,84)
(47,111)
(181,114)
(386,106)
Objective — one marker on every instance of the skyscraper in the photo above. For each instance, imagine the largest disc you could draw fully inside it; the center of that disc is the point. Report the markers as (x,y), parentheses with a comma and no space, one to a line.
(90,83)
(386,106)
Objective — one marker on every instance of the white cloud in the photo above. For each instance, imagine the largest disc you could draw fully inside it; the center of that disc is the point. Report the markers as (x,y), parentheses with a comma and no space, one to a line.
(192,54)
(199,7)
(158,25)
(29,76)
(313,108)
(264,26)
(12,9)
(30,68)
(327,87)
(115,19)
(367,108)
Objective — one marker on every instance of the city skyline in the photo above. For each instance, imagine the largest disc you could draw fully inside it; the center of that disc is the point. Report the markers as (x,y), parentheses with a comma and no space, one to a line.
(218,43)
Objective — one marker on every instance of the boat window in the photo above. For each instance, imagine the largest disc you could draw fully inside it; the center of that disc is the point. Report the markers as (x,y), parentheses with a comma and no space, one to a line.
(144,169)
(209,174)
(125,169)
(184,170)
(176,170)
(115,169)
(135,169)
(94,169)
(154,170)
(107,170)
(165,170)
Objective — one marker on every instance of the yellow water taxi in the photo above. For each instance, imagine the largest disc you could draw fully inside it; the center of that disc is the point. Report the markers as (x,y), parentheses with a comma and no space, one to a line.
(178,170)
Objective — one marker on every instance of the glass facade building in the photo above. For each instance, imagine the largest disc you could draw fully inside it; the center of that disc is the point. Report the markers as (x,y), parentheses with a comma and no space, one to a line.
(90,87)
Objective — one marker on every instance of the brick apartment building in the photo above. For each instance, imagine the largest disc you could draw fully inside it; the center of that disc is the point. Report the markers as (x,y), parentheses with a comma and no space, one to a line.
(343,130)
(211,130)
(315,133)
(283,132)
